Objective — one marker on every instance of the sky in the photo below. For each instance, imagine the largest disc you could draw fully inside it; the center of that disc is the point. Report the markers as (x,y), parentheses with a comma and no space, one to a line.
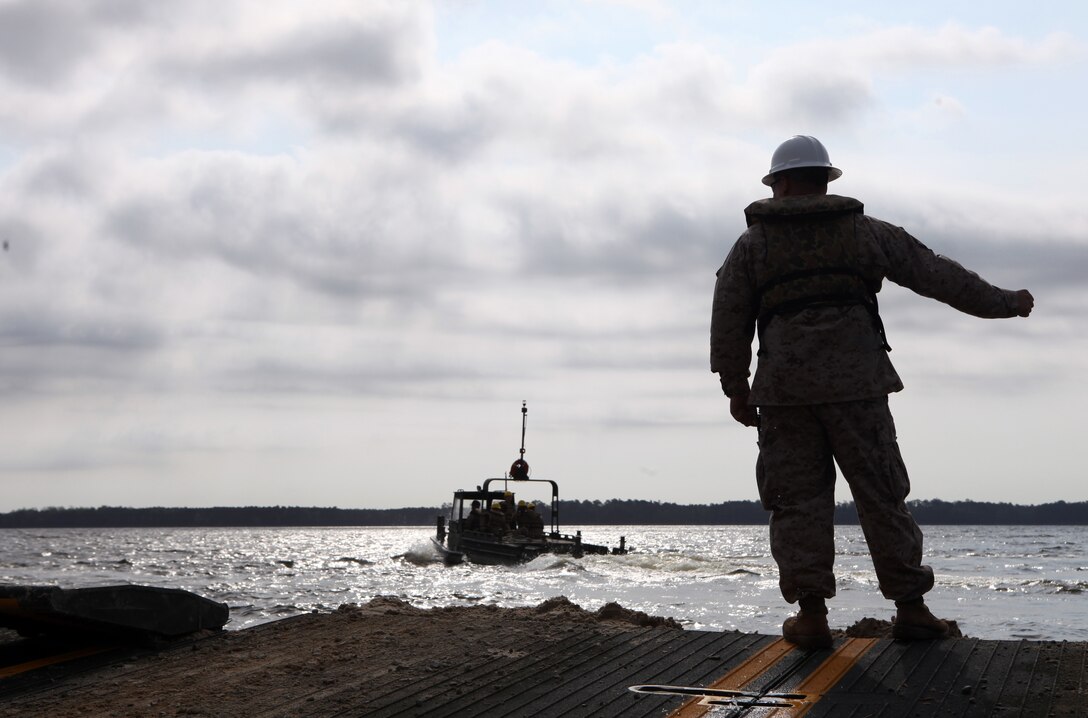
(317,254)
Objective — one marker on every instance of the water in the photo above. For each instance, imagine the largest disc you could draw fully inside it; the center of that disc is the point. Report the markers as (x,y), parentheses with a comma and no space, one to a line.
(998,582)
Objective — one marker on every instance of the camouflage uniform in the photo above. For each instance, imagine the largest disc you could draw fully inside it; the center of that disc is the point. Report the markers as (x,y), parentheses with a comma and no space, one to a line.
(806,274)
(474,521)
(497,521)
(532,524)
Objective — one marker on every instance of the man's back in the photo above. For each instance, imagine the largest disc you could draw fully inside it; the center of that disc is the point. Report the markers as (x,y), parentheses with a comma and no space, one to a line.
(825,348)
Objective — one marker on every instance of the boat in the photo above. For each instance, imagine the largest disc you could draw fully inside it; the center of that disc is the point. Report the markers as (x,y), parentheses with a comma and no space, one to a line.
(473,532)
(123,611)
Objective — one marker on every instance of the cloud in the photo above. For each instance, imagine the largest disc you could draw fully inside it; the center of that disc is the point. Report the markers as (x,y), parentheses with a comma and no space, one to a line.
(292,207)
(830,82)
(954,45)
(47,41)
(504,164)
(295,218)
(352,52)
(813,97)
(57,349)
(132,72)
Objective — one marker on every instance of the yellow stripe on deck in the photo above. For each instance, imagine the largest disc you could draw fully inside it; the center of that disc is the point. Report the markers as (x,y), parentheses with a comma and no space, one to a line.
(739,677)
(826,676)
(812,687)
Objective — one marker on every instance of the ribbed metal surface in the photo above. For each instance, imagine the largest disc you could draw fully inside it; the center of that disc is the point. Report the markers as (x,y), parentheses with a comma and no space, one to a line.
(587,674)
(965,677)
(589,677)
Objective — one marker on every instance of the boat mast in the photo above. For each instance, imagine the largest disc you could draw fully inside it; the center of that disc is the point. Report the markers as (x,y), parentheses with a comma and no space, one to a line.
(524,418)
(519,470)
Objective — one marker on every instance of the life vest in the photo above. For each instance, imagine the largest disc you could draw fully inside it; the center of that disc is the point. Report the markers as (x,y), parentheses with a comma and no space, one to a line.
(811,260)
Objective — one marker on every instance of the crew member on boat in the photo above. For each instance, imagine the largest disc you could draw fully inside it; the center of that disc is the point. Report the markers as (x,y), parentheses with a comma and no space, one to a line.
(474,520)
(497,520)
(508,510)
(532,524)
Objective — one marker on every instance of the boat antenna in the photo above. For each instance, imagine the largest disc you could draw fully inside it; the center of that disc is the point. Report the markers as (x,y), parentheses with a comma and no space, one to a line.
(519,470)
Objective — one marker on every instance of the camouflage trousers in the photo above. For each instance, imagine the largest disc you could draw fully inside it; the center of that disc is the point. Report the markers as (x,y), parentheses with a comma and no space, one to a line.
(798,449)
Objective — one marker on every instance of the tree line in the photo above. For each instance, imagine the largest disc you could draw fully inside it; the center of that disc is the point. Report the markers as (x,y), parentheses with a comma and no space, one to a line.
(572,512)
(929,511)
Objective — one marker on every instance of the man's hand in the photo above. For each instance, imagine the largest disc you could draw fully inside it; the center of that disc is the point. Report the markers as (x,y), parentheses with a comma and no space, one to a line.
(1024,303)
(741,411)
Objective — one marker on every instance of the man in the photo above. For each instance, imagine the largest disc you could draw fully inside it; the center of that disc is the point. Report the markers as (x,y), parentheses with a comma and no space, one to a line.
(532,523)
(804,278)
(508,509)
(474,522)
(497,519)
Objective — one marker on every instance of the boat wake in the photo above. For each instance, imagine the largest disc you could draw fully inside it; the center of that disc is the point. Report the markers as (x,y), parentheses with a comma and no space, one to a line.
(421,554)
(554,562)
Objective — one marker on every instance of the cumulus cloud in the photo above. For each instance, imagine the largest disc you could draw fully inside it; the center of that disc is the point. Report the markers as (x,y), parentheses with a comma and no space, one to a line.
(956,45)
(47,42)
(319,53)
(907,47)
(132,72)
(293,203)
(503,162)
(828,82)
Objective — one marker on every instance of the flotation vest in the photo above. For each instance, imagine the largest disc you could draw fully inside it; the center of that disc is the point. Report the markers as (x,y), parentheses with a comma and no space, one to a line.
(811,260)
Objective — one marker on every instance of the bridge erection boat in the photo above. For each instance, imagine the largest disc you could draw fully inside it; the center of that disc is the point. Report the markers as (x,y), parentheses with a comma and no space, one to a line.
(486,526)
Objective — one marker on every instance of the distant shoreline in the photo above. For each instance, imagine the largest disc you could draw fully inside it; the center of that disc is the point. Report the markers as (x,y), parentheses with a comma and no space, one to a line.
(572,512)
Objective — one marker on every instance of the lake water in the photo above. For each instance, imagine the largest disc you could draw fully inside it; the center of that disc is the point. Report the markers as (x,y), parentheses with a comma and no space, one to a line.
(998,582)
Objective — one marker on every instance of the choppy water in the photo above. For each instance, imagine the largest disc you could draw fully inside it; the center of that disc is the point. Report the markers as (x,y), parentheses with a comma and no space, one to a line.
(998,582)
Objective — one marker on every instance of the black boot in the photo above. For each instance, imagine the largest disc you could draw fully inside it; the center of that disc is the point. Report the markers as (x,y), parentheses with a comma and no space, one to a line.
(808,629)
(914,622)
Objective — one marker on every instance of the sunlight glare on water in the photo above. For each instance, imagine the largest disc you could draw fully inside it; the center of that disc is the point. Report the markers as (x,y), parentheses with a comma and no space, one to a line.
(997,582)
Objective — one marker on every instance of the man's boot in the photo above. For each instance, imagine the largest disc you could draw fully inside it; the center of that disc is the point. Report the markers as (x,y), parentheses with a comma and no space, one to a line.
(914,622)
(808,629)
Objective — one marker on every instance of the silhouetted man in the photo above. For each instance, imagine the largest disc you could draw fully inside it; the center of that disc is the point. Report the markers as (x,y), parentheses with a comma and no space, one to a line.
(803,279)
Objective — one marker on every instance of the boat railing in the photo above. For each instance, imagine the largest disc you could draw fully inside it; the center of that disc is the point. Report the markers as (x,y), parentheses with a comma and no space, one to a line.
(555,495)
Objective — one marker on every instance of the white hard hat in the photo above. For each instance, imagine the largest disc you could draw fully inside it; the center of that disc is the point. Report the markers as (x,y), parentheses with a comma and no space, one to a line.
(800,151)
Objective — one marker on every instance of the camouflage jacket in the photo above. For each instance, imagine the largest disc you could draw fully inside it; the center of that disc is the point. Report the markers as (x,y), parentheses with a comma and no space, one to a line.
(823,352)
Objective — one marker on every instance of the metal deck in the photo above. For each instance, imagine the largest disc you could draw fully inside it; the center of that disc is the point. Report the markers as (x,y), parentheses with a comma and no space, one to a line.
(854,678)
(687,674)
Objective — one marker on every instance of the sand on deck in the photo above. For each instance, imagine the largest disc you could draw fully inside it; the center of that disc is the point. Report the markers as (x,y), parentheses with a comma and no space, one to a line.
(315,663)
(325,664)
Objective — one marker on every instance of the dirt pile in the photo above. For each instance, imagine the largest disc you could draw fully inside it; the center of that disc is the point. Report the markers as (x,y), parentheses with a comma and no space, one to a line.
(876,628)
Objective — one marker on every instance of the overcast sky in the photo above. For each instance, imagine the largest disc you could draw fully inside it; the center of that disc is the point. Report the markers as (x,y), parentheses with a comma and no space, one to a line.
(264,252)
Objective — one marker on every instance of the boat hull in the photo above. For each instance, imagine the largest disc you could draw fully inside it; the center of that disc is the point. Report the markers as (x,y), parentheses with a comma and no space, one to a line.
(487,549)
(112,610)
(449,556)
